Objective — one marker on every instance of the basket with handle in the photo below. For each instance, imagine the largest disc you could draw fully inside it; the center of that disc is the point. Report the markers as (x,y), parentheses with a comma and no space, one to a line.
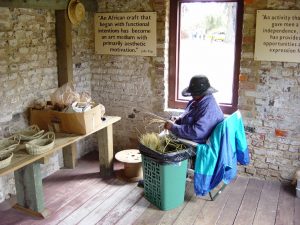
(41,145)
(5,159)
(30,133)
(8,145)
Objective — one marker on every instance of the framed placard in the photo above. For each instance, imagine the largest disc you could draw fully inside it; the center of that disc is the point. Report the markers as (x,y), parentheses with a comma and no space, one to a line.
(277,35)
(131,33)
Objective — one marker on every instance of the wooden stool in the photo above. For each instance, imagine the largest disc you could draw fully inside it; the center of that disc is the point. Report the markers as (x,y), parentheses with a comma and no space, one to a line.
(132,164)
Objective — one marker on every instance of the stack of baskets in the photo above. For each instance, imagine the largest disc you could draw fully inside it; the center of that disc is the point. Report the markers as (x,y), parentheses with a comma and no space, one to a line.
(5,160)
(29,133)
(7,146)
(41,145)
(34,140)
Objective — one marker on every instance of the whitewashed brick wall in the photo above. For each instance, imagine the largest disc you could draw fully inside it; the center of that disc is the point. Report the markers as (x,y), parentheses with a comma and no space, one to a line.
(126,85)
(269,100)
(28,71)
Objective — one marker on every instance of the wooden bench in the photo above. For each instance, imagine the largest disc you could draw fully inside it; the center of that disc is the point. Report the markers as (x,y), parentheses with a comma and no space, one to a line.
(27,172)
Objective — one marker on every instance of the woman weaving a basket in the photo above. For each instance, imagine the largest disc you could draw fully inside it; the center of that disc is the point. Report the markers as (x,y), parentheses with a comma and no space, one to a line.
(201,115)
(216,160)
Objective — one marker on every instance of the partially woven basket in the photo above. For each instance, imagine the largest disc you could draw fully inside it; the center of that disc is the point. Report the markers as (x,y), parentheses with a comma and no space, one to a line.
(8,145)
(30,133)
(41,145)
(5,160)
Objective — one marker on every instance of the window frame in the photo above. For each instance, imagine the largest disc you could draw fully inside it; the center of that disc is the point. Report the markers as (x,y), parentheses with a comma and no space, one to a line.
(174,47)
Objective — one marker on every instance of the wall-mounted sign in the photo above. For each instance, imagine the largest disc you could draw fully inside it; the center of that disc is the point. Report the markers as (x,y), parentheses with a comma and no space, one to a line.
(277,35)
(131,33)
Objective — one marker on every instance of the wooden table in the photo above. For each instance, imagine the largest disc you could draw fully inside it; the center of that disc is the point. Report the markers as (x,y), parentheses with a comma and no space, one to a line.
(26,168)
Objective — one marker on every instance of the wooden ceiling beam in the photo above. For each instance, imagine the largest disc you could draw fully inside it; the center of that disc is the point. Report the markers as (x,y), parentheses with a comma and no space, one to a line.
(90,5)
(35,4)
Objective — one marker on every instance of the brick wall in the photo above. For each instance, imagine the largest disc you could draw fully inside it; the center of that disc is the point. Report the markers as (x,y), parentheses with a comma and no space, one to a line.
(28,71)
(269,99)
(129,85)
(27,60)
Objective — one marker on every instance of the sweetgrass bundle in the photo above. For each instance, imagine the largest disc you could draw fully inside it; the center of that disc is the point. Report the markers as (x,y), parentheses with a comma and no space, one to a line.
(165,144)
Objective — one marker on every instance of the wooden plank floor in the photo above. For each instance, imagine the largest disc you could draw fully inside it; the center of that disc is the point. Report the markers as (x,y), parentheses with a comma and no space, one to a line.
(80,196)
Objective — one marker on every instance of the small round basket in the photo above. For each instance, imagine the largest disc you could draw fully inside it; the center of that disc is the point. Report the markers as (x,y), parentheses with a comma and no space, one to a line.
(5,160)
(41,145)
(8,145)
(30,133)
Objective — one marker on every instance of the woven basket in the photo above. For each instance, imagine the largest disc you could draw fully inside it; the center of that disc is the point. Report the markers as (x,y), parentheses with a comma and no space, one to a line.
(8,145)
(30,133)
(41,145)
(5,160)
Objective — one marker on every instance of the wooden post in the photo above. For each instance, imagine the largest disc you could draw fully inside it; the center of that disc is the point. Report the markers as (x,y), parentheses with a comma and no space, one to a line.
(64,47)
(70,156)
(105,147)
(29,188)
(65,70)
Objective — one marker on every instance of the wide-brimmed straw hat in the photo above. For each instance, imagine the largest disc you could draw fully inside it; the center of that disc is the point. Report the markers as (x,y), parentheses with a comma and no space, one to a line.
(199,86)
(76,11)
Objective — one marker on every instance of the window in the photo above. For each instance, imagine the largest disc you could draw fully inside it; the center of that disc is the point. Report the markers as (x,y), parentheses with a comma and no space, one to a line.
(205,38)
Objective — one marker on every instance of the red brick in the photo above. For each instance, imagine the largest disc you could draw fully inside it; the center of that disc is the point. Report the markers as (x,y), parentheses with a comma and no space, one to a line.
(248,1)
(280,133)
(243,77)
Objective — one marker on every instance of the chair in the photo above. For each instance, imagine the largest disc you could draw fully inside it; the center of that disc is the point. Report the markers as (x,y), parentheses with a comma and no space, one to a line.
(216,161)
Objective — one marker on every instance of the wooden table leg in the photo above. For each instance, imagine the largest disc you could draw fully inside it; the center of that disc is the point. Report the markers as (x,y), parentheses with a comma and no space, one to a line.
(105,146)
(29,188)
(70,156)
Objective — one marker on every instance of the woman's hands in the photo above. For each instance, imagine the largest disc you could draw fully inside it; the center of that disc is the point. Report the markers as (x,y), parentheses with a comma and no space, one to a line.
(168,125)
